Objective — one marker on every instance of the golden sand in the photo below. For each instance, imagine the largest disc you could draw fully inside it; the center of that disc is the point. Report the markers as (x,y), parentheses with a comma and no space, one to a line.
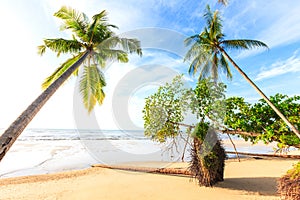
(248,179)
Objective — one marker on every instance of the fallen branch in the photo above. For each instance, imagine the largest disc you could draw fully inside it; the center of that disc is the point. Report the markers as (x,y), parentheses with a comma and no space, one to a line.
(174,171)
(235,132)
(226,131)
(265,155)
(236,152)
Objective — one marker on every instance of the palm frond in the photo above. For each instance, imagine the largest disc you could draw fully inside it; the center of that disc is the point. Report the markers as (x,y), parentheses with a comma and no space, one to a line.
(199,56)
(131,45)
(208,16)
(215,27)
(225,67)
(243,44)
(205,70)
(75,21)
(41,49)
(99,29)
(60,70)
(198,63)
(193,52)
(91,87)
(116,48)
(62,45)
(194,67)
(110,54)
(192,39)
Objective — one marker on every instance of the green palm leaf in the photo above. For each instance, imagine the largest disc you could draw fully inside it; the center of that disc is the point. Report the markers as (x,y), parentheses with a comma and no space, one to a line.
(213,21)
(131,45)
(75,21)
(127,45)
(242,44)
(192,40)
(99,29)
(61,46)
(91,86)
(60,70)
(198,62)
(41,49)
(110,54)
(116,48)
(225,67)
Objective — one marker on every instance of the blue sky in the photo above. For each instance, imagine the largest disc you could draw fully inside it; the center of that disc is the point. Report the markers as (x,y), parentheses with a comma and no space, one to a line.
(26,23)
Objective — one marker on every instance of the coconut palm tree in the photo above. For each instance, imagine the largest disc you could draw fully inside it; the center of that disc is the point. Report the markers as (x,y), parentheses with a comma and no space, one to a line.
(208,55)
(92,44)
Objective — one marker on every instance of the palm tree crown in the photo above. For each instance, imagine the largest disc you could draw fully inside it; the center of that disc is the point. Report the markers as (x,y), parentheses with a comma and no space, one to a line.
(94,37)
(92,44)
(206,53)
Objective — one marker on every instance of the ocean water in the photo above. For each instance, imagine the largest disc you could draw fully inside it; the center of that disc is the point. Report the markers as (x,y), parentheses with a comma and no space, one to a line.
(42,151)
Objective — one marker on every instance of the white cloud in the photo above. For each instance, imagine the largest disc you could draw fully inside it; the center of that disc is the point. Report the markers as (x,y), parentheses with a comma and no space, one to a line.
(278,68)
(275,23)
(283,31)
(126,17)
(22,70)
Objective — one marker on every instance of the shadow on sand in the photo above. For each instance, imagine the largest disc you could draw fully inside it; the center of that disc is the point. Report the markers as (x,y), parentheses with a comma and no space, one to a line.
(255,185)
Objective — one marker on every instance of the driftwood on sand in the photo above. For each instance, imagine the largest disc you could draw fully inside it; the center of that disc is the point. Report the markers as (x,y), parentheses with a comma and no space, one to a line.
(174,171)
(265,155)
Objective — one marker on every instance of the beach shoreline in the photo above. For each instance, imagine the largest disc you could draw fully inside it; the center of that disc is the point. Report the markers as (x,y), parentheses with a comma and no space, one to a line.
(44,151)
(249,179)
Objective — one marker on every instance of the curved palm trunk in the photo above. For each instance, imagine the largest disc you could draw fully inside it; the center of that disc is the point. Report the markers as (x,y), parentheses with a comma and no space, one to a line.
(11,134)
(294,129)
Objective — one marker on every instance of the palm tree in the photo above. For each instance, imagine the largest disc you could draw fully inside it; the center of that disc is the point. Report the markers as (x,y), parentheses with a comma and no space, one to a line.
(208,55)
(93,43)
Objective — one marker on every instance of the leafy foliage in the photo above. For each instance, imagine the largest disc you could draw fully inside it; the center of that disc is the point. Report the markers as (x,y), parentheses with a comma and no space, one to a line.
(60,70)
(95,37)
(210,101)
(164,113)
(92,82)
(260,118)
(165,109)
(295,171)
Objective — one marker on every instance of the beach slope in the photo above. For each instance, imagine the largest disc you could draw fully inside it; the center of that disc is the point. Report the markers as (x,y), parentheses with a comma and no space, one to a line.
(248,179)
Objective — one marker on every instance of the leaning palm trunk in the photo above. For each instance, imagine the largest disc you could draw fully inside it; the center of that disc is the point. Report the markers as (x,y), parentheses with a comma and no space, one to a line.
(11,134)
(294,129)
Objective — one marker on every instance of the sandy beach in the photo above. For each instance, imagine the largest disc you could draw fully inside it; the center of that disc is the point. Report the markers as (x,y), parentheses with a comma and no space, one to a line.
(248,179)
